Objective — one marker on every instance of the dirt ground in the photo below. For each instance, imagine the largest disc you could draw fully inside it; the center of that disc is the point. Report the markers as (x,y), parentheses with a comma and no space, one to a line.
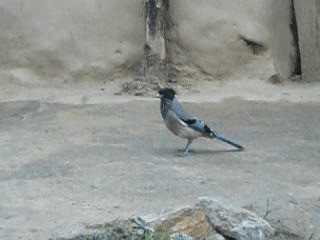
(73,156)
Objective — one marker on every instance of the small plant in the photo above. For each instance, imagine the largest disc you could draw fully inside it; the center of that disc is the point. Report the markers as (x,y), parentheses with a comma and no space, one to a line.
(268,211)
(121,230)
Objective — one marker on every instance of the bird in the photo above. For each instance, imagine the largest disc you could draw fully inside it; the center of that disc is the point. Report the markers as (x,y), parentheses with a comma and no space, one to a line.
(182,124)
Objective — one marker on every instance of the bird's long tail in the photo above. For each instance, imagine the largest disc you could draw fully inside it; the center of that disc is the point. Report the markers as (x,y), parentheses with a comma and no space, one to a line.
(220,137)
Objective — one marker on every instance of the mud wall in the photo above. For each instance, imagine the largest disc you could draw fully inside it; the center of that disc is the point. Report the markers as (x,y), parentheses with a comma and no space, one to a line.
(55,41)
(308,24)
(51,41)
(237,39)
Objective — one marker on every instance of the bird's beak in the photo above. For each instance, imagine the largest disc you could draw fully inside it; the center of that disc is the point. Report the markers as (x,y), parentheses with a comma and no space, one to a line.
(157,96)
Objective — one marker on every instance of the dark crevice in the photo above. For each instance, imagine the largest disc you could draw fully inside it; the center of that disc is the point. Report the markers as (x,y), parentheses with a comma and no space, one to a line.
(255,47)
(296,59)
(214,229)
(225,237)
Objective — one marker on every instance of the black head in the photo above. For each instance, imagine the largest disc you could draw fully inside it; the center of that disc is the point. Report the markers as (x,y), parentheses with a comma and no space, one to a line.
(166,93)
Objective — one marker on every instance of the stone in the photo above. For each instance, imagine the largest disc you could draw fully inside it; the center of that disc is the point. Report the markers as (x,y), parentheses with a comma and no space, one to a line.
(190,221)
(215,236)
(236,223)
(180,236)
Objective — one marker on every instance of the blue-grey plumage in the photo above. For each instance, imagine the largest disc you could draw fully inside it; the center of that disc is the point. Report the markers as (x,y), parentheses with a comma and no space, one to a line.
(183,124)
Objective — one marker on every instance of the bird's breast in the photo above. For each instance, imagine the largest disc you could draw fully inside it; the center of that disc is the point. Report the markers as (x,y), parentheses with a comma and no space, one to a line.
(180,128)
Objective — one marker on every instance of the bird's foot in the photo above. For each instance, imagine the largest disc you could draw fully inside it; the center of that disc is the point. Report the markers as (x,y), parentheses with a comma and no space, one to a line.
(185,153)
(186,149)
(183,150)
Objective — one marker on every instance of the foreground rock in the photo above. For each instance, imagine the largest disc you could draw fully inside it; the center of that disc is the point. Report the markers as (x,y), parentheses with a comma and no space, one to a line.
(209,219)
(231,222)
(190,221)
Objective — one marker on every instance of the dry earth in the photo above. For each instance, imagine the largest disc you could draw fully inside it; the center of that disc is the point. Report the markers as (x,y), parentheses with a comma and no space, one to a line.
(75,156)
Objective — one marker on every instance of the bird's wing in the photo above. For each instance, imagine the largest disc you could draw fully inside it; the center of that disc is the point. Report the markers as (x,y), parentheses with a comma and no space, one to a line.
(174,119)
(192,122)
(176,107)
(197,124)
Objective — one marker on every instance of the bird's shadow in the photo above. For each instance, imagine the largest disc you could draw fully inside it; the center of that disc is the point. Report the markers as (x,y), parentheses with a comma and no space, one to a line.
(208,151)
(173,152)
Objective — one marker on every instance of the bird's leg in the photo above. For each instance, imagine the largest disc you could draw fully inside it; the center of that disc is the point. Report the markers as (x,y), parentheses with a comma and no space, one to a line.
(186,149)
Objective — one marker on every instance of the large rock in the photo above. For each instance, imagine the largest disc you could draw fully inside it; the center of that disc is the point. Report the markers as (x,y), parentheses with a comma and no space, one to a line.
(189,221)
(213,220)
(239,224)
(209,219)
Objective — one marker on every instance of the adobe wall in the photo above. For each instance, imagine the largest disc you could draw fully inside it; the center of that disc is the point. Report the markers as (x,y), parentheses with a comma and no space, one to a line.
(50,41)
(53,42)
(237,39)
(308,21)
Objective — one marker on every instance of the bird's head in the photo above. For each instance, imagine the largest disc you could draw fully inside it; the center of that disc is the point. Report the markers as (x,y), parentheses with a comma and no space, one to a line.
(166,93)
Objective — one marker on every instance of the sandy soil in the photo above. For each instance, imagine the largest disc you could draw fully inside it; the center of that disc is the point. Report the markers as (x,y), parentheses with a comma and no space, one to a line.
(202,91)
(80,155)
